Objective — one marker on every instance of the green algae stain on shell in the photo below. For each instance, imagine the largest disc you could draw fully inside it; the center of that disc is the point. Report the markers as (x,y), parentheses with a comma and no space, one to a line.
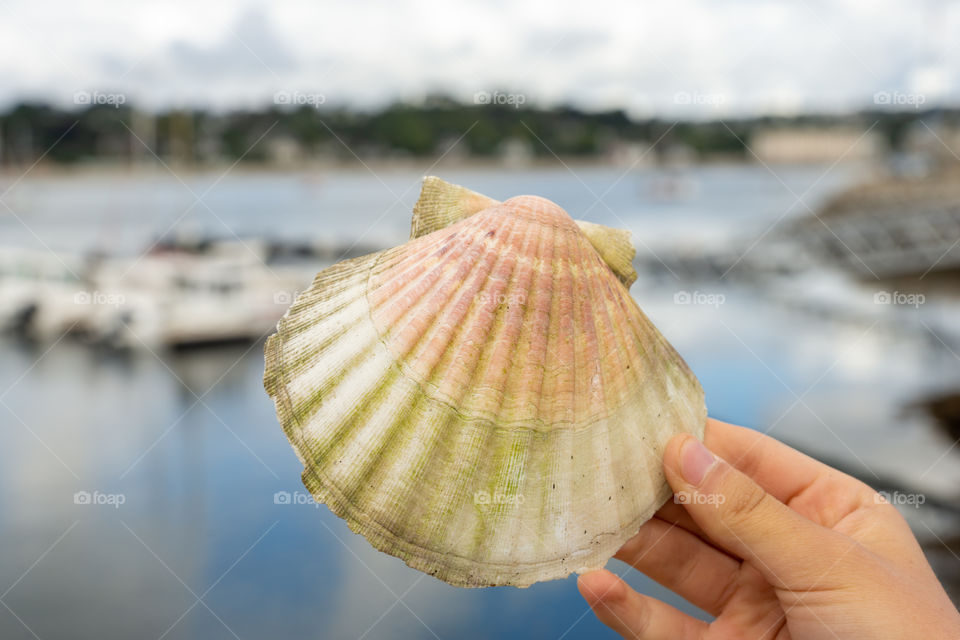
(486,401)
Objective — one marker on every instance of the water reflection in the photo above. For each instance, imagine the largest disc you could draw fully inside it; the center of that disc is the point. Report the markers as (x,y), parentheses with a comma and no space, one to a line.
(200,548)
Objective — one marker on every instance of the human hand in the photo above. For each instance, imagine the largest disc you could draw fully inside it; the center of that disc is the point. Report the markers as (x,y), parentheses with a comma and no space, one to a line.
(775,545)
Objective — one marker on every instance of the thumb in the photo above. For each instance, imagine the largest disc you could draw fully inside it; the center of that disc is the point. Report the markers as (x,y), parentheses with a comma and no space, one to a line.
(789,550)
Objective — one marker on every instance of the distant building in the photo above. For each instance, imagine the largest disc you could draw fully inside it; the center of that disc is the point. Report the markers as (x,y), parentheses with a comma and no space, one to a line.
(516,152)
(816,144)
(630,154)
(285,150)
(935,140)
(143,137)
(453,149)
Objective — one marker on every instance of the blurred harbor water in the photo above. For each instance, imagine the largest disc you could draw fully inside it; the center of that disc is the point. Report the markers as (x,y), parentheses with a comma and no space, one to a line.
(124,213)
(151,493)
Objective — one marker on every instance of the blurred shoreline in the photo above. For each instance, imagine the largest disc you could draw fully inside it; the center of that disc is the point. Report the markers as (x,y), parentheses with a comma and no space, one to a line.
(290,133)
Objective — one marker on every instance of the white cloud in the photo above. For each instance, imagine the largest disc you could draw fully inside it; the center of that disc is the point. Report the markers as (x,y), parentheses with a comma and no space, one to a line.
(757,56)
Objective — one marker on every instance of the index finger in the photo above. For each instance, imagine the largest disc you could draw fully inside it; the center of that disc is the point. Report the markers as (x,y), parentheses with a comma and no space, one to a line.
(782,471)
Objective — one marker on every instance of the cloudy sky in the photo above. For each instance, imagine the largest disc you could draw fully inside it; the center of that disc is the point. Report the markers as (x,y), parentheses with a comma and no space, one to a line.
(685,57)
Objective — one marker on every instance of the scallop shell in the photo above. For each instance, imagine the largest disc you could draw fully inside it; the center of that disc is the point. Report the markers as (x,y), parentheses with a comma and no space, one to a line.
(486,401)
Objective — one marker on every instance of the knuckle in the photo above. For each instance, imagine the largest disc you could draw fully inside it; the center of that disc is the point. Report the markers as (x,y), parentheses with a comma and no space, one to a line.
(743,502)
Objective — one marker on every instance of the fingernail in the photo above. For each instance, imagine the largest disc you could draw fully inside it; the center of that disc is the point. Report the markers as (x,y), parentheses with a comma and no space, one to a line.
(695,461)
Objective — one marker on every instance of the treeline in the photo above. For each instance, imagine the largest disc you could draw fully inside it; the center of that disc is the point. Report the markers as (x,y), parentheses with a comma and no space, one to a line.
(122,133)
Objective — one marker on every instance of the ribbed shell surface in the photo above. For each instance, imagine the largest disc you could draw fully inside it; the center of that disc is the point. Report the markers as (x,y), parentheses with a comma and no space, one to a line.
(486,402)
